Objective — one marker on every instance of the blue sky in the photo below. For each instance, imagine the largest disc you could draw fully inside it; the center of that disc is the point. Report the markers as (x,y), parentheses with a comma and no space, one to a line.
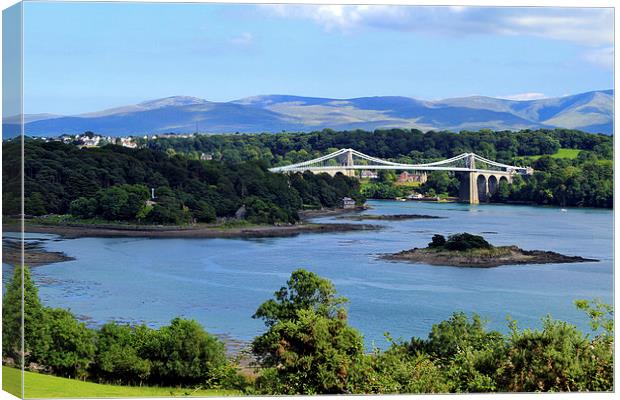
(85,57)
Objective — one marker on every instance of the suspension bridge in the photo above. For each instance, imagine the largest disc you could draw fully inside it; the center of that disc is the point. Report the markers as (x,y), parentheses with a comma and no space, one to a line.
(479,177)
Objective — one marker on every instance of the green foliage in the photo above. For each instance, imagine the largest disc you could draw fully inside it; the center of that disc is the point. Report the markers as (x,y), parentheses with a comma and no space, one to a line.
(70,344)
(304,290)
(309,347)
(311,354)
(203,211)
(586,181)
(83,207)
(113,183)
(589,187)
(264,211)
(601,315)
(382,191)
(184,352)
(181,353)
(117,359)
(33,313)
(438,241)
(396,371)
(441,182)
(404,145)
(386,176)
(556,358)
(460,242)
(453,335)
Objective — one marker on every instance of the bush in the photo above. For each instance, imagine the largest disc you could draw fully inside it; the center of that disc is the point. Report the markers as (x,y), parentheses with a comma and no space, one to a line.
(71,344)
(263,211)
(117,359)
(549,360)
(466,241)
(438,241)
(83,207)
(183,353)
(395,371)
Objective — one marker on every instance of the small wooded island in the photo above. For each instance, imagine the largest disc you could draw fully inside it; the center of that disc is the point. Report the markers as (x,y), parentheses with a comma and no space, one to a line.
(467,250)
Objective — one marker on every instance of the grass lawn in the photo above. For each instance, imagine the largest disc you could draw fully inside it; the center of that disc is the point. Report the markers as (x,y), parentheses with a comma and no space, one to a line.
(40,386)
(561,153)
(408,184)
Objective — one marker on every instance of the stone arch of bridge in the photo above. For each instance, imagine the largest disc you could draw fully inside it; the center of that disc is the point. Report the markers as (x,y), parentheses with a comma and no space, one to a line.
(487,184)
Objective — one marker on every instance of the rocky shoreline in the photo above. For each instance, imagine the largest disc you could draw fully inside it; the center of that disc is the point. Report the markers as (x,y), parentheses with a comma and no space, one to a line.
(484,258)
(34,253)
(259,231)
(388,217)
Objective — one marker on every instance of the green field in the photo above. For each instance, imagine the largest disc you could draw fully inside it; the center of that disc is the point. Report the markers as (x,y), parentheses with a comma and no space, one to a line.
(561,153)
(41,386)
(408,184)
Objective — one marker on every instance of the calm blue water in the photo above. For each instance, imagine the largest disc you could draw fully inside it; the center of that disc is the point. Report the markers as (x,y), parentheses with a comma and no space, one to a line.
(221,282)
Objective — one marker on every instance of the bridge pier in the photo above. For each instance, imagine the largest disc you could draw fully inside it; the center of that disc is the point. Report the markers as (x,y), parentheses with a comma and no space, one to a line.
(475,187)
(468,188)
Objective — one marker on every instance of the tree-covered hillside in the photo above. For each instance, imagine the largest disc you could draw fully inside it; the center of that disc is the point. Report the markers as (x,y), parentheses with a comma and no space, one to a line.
(114,183)
(406,145)
(586,180)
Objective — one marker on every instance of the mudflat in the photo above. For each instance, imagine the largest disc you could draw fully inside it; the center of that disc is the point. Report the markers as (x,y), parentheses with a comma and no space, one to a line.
(198,231)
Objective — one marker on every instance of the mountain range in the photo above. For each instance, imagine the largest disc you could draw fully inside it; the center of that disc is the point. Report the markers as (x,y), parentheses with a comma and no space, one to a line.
(590,111)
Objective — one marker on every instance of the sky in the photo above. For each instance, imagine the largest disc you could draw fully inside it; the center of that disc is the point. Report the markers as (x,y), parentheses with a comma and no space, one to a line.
(83,57)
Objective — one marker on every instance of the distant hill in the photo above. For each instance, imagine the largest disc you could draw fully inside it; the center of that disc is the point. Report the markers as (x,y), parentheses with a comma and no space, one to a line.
(590,112)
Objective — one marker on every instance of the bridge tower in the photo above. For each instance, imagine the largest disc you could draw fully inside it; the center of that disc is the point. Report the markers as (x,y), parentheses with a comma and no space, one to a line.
(348,162)
(468,188)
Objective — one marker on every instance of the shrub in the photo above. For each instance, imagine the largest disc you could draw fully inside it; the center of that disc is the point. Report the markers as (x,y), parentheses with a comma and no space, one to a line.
(438,241)
(83,207)
(117,359)
(397,371)
(183,353)
(466,241)
(71,345)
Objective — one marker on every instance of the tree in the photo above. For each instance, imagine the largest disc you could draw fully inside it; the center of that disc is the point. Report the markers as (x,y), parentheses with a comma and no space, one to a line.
(309,347)
(386,176)
(112,202)
(438,241)
(441,182)
(33,327)
(71,345)
(84,207)
(203,212)
(466,241)
(184,353)
(117,359)
(303,290)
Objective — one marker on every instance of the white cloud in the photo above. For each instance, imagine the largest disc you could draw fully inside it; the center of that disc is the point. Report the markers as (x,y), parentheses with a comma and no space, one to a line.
(603,57)
(524,96)
(242,40)
(586,26)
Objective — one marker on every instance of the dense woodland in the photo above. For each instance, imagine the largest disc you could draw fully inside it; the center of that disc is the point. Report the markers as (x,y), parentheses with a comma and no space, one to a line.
(308,347)
(586,181)
(114,183)
(405,145)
